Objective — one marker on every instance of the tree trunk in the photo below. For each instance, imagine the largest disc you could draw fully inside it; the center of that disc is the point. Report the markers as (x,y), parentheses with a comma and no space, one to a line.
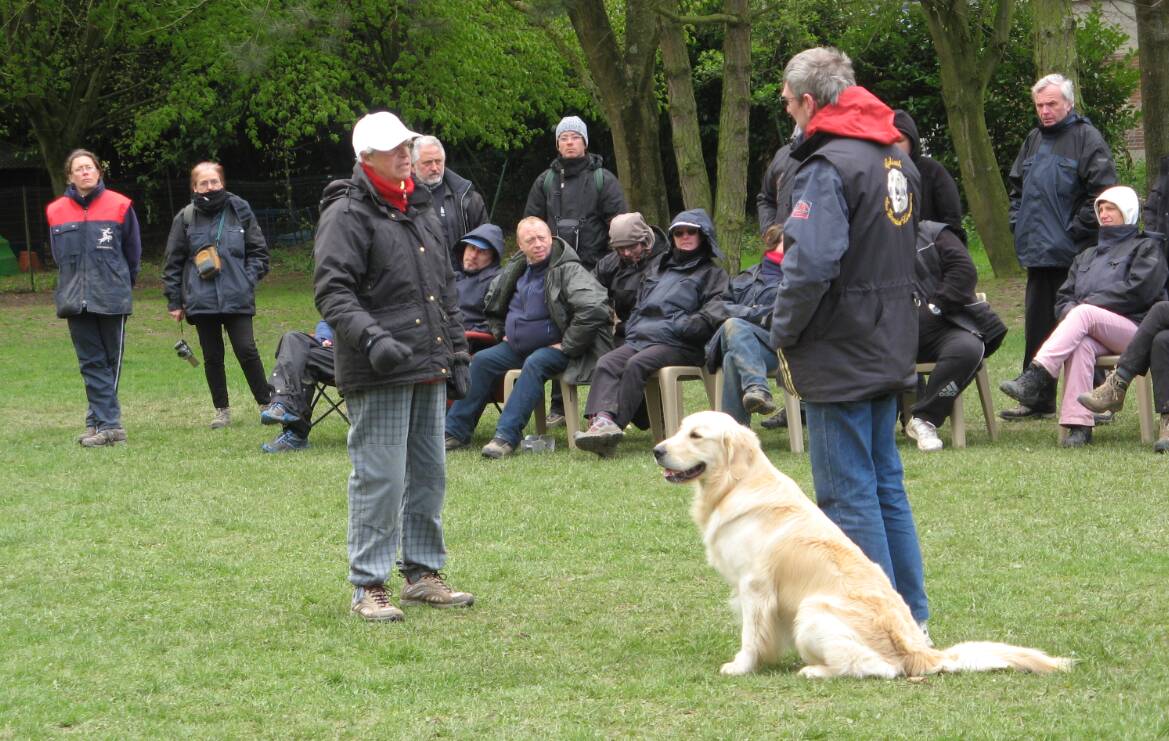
(731,199)
(1055,41)
(625,85)
(692,174)
(966,60)
(1153,37)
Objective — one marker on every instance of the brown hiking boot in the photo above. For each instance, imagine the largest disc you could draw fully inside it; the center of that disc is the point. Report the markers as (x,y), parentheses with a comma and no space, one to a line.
(221,419)
(102,438)
(1162,444)
(1107,397)
(373,603)
(431,589)
(89,432)
(758,400)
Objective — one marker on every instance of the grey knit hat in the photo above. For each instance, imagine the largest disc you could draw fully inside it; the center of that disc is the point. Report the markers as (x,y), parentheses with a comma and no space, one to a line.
(573,123)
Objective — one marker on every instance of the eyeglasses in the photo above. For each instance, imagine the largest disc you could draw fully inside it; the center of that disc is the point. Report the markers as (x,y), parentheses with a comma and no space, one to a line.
(80,169)
(686,231)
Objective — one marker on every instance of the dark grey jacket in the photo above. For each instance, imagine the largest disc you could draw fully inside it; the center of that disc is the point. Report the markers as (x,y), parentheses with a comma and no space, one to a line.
(576,302)
(460,210)
(773,203)
(243,255)
(1124,273)
(472,287)
(623,280)
(379,271)
(1059,172)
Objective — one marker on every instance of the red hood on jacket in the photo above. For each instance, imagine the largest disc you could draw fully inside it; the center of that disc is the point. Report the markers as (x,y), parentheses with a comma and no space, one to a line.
(857,114)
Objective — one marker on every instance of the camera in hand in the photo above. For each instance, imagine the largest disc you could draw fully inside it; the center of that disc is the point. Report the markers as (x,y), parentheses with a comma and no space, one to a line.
(183,350)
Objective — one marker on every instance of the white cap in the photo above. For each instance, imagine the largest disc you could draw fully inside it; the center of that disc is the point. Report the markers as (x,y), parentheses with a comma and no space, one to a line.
(381,132)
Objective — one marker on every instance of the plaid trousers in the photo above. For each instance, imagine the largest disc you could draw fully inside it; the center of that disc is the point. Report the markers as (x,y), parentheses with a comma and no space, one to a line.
(398,483)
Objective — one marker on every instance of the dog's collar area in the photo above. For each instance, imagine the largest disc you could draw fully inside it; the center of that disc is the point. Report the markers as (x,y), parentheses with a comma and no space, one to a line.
(681,477)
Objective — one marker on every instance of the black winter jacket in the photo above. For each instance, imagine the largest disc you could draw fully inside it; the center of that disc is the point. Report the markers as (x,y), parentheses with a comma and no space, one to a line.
(243,255)
(681,298)
(460,210)
(1124,273)
(773,203)
(940,200)
(573,195)
(623,280)
(1059,172)
(945,281)
(380,271)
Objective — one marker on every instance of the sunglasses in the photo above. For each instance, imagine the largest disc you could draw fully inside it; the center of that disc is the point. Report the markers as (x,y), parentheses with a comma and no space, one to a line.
(687,231)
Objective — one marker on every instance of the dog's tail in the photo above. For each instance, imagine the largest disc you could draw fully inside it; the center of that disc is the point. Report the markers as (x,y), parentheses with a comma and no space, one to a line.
(983,656)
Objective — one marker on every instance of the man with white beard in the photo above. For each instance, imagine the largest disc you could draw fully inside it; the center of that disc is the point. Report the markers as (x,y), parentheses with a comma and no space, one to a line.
(457,204)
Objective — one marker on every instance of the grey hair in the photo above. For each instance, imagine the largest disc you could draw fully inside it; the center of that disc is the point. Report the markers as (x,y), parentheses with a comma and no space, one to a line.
(1066,88)
(822,72)
(426,141)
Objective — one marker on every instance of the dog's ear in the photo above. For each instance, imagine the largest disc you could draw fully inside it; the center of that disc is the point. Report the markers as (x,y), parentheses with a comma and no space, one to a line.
(740,446)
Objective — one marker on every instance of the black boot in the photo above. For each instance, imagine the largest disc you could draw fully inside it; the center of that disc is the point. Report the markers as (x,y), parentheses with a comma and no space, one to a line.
(1029,387)
(1078,436)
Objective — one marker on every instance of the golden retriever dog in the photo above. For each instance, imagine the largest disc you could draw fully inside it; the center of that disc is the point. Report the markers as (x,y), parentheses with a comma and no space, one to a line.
(796,579)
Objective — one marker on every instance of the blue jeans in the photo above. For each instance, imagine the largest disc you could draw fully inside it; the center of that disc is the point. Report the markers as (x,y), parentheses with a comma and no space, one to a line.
(857,474)
(488,366)
(747,362)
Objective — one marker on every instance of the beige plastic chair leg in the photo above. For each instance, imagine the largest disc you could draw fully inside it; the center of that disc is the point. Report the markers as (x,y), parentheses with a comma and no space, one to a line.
(671,399)
(795,423)
(958,423)
(982,379)
(653,407)
(1145,408)
(571,397)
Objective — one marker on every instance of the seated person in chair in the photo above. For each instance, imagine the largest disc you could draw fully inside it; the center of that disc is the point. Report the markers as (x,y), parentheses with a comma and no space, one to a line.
(302,361)
(553,318)
(955,330)
(1147,353)
(678,308)
(634,246)
(742,345)
(480,254)
(1108,290)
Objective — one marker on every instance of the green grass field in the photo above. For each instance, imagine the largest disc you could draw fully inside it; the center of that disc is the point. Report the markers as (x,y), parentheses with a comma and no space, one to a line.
(185,585)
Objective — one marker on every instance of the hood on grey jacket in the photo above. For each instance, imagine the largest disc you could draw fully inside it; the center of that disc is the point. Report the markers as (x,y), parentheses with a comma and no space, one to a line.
(486,235)
(697,217)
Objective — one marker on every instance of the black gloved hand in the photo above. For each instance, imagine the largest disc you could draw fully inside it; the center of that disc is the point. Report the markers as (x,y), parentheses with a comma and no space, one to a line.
(386,353)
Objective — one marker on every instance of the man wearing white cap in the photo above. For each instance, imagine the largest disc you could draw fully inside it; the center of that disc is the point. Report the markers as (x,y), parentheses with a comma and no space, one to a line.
(384,282)
(577,197)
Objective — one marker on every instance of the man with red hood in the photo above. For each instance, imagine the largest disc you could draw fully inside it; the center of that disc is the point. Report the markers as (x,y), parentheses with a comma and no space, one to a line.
(844,321)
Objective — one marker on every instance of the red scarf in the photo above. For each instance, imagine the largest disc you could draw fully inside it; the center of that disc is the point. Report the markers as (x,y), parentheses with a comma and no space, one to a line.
(774,256)
(395,192)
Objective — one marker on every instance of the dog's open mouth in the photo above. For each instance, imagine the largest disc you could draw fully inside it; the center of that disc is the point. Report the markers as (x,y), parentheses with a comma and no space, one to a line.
(681,477)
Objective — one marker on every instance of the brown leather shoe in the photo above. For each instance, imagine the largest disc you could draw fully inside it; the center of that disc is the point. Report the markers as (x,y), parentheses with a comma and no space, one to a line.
(373,603)
(431,589)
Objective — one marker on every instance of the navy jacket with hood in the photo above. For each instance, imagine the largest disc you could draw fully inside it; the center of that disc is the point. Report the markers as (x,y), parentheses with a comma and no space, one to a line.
(1059,172)
(472,286)
(681,298)
(1125,273)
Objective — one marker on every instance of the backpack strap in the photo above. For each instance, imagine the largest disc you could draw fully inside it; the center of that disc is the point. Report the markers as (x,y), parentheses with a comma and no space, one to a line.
(188,213)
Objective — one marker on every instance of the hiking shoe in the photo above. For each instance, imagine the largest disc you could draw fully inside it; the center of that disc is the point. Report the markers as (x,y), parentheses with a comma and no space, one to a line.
(1025,412)
(276,414)
(89,432)
(1028,387)
(602,437)
(430,589)
(758,400)
(1103,418)
(775,421)
(285,441)
(454,443)
(925,630)
(222,418)
(101,438)
(1162,444)
(555,418)
(373,603)
(1078,436)
(1108,396)
(497,448)
(924,433)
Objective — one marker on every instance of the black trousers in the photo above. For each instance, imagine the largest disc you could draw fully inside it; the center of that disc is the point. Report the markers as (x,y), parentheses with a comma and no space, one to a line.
(956,354)
(239,330)
(1149,351)
(1039,319)
(618,386)
(301,362)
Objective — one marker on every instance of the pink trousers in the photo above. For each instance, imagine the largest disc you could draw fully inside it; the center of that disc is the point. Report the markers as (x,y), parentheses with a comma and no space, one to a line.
(1084,334)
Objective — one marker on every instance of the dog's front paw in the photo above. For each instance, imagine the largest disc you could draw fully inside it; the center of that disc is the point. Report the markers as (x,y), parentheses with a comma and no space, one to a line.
(815,672)
(740,666)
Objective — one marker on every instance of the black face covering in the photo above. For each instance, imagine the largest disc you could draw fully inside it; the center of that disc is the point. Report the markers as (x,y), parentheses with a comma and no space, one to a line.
(210,202)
